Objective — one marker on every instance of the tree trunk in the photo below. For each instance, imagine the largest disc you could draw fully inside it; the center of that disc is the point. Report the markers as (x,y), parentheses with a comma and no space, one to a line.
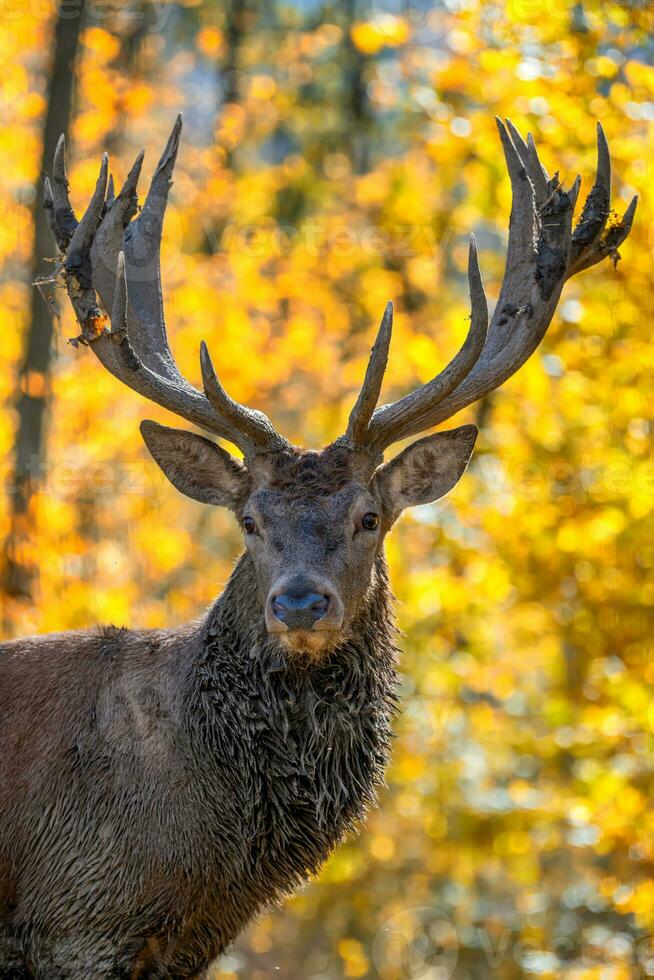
(236,15)
(358,117)
(235,27)
(34,373)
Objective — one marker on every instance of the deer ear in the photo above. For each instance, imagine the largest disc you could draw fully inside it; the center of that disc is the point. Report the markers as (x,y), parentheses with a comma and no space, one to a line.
(424,471)
(199,468)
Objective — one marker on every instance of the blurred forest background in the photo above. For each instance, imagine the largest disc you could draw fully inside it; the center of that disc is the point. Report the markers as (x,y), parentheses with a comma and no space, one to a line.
(337,155)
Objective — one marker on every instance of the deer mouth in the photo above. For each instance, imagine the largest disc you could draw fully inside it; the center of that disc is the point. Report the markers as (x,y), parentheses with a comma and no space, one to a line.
(306,614)
(313,643)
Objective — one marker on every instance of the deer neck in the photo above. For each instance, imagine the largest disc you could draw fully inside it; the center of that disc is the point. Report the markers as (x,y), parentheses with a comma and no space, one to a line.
(313,735)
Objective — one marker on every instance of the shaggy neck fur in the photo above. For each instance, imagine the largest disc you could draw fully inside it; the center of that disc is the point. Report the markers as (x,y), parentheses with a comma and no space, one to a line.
(296,748)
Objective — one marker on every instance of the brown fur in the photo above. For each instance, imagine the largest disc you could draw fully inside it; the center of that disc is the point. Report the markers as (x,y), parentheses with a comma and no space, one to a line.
(159,787)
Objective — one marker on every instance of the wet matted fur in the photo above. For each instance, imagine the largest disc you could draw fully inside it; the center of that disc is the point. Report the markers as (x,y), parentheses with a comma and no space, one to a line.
(192,778)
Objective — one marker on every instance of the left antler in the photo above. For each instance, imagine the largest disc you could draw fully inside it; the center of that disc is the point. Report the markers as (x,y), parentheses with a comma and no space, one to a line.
(111,262)
(543,252)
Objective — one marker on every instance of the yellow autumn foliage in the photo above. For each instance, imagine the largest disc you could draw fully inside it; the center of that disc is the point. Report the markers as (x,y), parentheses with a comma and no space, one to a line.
(516,835)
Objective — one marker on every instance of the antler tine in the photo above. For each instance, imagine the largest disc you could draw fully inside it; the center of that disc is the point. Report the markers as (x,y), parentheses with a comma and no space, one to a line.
(48,206)
(364,407)
(518,142)
(624,226)
(533,156)
(592,241)
(411,413)
(254,424)
(529,159)
(573,193)
(65,221)
(161,183)
(108,238)
(77,257)
(80,243)
(119,308)
(127,201)
(598,203)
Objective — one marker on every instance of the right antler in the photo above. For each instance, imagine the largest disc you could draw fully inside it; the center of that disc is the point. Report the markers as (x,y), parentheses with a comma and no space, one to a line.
(543,253)
(109,256)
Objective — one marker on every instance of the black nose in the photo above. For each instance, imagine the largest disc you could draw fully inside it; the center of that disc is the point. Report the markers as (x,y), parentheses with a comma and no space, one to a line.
(300,611)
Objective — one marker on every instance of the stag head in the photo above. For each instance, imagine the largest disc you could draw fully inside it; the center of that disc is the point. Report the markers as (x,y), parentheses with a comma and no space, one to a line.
(314,522)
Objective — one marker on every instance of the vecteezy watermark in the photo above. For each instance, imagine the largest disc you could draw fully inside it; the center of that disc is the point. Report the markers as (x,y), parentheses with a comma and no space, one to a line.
(533,481)
(427,21)
(416,944)
(425,717)
(422,943)
(266,239)
(316,237)
(69,477)
(154,14)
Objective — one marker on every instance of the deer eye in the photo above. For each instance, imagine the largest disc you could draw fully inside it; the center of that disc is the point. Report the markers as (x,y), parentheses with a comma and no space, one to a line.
(370,521)
(249,526)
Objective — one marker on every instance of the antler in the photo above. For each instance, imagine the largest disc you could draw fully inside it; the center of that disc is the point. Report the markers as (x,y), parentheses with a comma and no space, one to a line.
(111,262)
(543,253)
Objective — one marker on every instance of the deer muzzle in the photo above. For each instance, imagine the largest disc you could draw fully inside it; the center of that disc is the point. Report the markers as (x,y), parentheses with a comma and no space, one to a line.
(303,605)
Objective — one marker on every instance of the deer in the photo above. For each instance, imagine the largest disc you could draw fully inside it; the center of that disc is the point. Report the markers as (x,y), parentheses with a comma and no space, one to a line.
(160,787)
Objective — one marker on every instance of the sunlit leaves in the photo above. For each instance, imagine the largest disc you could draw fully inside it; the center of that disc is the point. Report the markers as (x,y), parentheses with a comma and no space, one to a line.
(385,30)
(519,798)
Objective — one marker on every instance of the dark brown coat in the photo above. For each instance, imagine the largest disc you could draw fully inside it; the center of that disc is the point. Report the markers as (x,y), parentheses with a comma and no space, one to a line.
(157,788)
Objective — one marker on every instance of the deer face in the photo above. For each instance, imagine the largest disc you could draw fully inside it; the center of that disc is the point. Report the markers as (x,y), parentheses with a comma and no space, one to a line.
(311,524)
(313,557)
